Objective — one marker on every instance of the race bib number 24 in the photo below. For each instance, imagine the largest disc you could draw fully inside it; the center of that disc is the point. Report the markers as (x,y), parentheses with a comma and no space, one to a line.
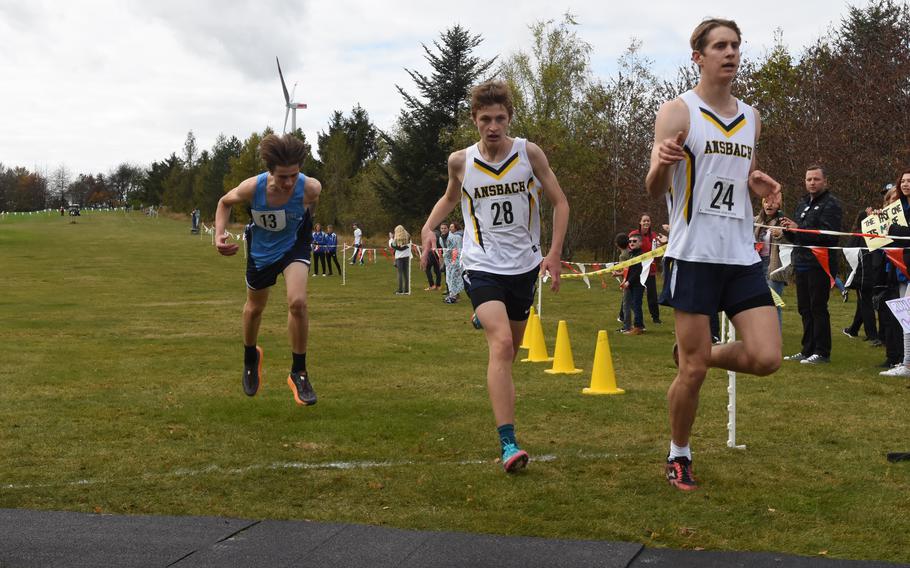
(725,197)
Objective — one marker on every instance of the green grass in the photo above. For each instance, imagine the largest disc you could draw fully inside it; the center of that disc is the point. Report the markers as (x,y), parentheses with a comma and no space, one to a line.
(120,392)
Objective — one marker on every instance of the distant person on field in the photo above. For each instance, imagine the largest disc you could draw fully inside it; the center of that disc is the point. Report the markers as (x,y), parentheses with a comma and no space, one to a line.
(433,270)
(400,242)
(635,289)
(318,250)
(499,182)
(866,277)
(768,241)
(903,194)
(454,268)
(331,249)
(650,240)
(281,202)
(358,245)
(442,248)
(625,316)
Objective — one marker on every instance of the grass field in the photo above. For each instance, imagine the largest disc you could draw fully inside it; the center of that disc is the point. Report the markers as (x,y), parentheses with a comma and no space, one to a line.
(120,393)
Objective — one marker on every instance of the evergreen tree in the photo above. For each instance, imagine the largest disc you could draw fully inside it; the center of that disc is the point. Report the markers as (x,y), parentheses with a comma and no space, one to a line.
(151,187)
(346,148)
(208,187)
(416,173)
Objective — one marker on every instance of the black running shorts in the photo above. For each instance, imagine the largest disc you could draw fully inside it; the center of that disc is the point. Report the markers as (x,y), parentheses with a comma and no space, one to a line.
(515,291)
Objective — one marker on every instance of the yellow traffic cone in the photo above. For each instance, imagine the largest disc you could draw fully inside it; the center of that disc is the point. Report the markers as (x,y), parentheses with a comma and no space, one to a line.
(603,378)
(563,362)
(526,337)
(537,353)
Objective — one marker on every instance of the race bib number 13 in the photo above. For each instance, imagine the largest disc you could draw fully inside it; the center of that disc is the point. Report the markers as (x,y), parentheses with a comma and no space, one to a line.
(725,197)
(270,220)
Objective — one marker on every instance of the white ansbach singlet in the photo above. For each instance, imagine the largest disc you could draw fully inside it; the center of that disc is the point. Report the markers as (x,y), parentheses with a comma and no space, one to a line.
(709,201)
(500,203)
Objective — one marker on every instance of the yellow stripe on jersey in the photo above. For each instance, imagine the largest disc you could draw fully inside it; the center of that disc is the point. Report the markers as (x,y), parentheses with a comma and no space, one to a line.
(728,130)
(496,173)
(473,218)
(530,201)
(690,184)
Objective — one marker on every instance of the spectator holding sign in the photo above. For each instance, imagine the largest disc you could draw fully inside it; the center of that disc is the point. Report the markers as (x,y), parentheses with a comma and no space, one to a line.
(768,245)
(818,210)
(901,230)
(888,288)
(865,277)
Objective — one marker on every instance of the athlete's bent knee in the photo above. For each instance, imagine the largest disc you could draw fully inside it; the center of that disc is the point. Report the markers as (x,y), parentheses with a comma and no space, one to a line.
(763,364)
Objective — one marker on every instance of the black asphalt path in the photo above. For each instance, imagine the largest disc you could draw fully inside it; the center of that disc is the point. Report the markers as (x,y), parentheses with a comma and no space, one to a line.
(41,538)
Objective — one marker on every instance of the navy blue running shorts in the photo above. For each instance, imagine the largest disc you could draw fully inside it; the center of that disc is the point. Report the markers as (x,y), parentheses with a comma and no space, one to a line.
(265,277)
(707,288)
(515,291)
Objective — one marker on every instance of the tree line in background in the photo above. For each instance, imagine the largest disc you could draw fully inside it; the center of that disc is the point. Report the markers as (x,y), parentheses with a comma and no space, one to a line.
(844,102)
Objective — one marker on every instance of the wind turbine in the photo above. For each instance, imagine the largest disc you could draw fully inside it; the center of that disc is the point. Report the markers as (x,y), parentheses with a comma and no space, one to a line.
(291,105)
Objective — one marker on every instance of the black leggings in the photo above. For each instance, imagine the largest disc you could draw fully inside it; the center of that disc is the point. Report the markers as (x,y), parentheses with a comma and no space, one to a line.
(433,268)
(332,257)
(318,257)
(402,265)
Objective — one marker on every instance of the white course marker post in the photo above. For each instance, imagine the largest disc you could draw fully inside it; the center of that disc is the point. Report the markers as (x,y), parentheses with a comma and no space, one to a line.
(344,264)
(728,334)
(410,258)
(539,294)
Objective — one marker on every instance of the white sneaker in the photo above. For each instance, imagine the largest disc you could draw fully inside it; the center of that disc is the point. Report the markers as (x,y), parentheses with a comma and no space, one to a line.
(897,371)
(794,357)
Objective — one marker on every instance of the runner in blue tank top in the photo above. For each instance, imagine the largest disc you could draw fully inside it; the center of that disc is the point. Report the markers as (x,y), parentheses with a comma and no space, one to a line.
(278,238)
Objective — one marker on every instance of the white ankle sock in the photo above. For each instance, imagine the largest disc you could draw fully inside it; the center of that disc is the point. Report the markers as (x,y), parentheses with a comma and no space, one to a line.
(679,451)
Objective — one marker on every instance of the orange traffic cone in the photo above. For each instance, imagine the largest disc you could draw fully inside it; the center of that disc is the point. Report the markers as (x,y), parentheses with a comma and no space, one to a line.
(537,353)
(603,378)
(563,362)
(526,337)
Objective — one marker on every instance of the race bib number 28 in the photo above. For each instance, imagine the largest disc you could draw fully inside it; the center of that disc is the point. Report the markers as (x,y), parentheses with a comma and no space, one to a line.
(270,220)
(725,197)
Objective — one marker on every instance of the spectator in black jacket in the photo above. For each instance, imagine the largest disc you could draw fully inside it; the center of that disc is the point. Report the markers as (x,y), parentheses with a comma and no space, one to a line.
(635,288)
(819,210)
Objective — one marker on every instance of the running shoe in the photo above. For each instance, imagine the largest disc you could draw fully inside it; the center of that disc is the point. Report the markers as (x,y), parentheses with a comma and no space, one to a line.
(252,374)
(679,474)
(815,359)
(514,458)
(304,394)
(846,331)
(795,357)
(897,371)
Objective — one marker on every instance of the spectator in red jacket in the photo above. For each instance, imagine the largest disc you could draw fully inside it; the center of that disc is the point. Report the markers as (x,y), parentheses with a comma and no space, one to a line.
(649,241)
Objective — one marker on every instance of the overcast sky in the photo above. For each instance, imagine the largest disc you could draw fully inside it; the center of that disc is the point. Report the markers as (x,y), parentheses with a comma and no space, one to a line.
(94,83)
